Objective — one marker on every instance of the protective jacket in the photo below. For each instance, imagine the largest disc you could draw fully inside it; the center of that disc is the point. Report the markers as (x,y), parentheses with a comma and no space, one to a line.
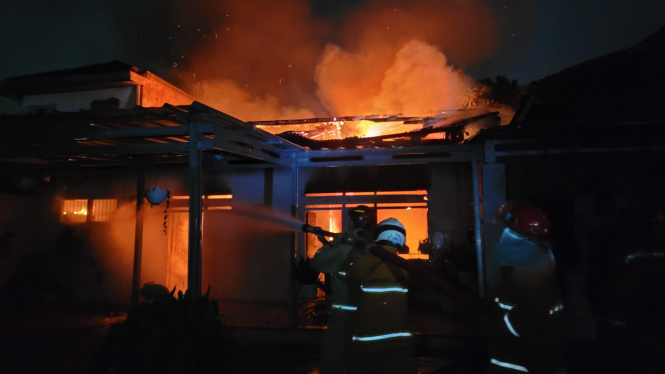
(526,329)
(336,341)
(379,290)
(330,259)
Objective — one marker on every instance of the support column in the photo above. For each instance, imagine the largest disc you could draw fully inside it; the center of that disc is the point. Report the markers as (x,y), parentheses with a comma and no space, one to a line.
(493,186)
(195,214)
(268,175)
(138,239)
(295,243)
(478,225)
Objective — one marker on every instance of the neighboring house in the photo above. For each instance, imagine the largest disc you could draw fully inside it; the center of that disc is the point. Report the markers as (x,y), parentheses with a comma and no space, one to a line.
(71,90)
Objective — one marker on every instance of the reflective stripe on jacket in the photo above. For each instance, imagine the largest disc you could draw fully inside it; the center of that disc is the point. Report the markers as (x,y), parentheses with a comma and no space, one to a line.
(527,322)
(331,259)
(379,290)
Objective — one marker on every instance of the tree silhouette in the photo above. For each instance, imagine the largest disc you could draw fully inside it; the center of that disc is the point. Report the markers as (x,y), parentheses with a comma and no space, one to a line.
(501,91)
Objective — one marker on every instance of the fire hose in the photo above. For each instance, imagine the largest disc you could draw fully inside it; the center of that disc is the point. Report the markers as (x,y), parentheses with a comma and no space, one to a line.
(439,284)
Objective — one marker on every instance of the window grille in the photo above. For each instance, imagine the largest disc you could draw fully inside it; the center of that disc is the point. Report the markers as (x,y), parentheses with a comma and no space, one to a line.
(74,211)
(102,209)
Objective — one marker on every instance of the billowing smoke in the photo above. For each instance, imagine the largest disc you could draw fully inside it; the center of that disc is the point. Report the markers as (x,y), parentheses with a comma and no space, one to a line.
(275,60)
(418,80)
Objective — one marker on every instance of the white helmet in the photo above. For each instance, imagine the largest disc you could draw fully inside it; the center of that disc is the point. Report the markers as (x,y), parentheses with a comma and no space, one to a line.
(391,231)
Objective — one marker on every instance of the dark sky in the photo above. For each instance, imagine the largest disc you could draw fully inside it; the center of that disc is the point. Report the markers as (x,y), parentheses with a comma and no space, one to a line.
(535,38)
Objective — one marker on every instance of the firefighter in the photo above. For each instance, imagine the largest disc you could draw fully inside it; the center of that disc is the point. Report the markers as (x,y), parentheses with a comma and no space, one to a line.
(637,294)
(330,259)
(526,330)
(382,342)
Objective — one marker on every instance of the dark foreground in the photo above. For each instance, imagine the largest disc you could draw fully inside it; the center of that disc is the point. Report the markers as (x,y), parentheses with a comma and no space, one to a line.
(56,345)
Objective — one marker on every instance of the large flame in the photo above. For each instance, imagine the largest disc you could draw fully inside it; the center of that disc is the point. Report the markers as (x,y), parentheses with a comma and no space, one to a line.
(275,60)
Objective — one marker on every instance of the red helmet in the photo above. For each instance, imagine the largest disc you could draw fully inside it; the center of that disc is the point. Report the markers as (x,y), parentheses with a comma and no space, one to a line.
(525,219)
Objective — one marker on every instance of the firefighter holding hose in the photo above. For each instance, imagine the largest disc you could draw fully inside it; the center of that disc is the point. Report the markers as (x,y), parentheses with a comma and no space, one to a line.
(382,341)
(369,285)
(332,259)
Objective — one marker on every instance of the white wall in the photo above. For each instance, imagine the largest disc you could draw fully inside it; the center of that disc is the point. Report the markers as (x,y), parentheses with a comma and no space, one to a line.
(77,100)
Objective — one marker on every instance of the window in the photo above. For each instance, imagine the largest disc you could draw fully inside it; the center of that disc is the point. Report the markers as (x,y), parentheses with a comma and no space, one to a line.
(102,209)
(328,210)
(329,220)
(76,210)
(210,202)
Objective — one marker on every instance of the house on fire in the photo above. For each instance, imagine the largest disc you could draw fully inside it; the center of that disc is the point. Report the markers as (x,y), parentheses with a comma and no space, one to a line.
(93,139)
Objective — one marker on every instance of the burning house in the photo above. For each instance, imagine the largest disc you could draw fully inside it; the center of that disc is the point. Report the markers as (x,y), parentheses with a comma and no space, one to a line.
(87,162)
(94,139)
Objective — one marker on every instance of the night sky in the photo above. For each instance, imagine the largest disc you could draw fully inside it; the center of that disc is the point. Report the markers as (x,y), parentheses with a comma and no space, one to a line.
(533,38)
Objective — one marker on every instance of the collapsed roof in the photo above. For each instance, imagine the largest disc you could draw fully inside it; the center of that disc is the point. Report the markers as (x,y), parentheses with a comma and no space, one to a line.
(353,132)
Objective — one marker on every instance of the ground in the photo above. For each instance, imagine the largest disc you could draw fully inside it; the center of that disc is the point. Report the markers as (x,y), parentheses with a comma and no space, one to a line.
(68,345)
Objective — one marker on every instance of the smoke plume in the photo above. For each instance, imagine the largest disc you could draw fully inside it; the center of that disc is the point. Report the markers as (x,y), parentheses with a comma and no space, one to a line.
(275,60)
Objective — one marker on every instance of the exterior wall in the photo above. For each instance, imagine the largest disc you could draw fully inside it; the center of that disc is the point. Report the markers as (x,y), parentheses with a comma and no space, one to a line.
(243,259)
(86,264)
(110,243)
(450,201)
(78,100)
(247,259)
(31,219)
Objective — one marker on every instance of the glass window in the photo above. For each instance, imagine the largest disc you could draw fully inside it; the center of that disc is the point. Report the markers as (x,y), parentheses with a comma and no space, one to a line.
(74,211)
(102,209)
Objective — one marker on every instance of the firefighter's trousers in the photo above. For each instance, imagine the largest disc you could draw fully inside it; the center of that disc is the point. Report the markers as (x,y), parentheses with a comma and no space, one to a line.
(336,342)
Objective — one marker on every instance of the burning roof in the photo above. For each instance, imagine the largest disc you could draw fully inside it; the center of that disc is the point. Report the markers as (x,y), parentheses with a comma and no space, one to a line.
(451,126)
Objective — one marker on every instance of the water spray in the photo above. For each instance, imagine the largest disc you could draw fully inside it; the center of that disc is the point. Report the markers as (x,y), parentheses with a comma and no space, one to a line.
(263,214)
(385,255)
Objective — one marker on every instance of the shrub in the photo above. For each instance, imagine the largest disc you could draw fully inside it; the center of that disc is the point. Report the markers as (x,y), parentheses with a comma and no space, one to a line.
(165,334)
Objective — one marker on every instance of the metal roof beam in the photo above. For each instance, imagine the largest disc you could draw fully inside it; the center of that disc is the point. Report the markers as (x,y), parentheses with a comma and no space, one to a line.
(247,144)
(385,156)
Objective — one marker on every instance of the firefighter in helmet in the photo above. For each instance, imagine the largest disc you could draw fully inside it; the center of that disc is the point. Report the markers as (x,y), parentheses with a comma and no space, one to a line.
(382,342)
(526,333)
(330,259)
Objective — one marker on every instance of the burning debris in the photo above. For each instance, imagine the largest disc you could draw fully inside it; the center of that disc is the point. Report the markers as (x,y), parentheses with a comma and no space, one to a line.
(388,130)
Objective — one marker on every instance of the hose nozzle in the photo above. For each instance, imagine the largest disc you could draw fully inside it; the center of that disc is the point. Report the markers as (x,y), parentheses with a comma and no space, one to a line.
(310,229)
(316,230)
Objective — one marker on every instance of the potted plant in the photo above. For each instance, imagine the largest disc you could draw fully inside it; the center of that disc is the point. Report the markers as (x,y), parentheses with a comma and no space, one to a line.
(307,277)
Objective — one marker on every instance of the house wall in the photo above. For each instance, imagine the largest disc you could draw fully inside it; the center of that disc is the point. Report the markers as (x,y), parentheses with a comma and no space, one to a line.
(243,258)
(80,100)
(30,218)
(87,264)
(110,243)
(450,201)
